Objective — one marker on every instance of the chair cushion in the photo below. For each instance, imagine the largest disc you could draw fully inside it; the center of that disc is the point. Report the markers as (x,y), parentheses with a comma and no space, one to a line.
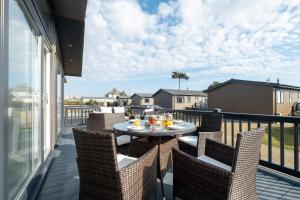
(124,139)
(190,139)
(123,160)
(106,109)
(214,162)
(119,110)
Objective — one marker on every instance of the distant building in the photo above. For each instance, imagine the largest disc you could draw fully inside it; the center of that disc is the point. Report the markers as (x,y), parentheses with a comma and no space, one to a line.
(112,94)
(103,101)
(123,100)
(254,97)
(142,99)
(179,99)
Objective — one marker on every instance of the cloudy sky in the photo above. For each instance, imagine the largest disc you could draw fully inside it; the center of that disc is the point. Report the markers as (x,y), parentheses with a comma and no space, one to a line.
(135,45)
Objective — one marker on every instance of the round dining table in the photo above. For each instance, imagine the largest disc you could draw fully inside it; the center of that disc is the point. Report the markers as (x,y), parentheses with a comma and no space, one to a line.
(155,131)
(155,135)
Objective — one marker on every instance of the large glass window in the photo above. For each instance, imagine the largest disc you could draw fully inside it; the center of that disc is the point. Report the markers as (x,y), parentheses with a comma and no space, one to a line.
(24,111)
(280,96)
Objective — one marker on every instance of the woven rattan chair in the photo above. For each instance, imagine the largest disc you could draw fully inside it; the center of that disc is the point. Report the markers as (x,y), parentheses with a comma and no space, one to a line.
(105,121)
(223,173)
(194,144)
(165,145)
(104,174)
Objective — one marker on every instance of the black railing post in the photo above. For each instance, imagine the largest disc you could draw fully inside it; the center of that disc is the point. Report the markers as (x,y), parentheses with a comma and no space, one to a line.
(270,142)
(282,143)
(249,125)
(225,131)
(296,147)
(232,132)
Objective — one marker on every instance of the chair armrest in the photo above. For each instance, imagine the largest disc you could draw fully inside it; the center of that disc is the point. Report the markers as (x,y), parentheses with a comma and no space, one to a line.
(202,136)
(196,178)
(139,178)
(218,151)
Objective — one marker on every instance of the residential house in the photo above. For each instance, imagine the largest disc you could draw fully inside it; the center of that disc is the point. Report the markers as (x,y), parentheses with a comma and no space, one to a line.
(41,42)
(123,100)
(138,99)
(112,94)
(243,96)
(180,99)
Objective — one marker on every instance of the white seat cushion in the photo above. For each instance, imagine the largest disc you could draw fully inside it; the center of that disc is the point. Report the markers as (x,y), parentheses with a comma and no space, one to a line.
(124,139)
(214,162)
(123,160)
(119,110)
(106,109)
(190,139)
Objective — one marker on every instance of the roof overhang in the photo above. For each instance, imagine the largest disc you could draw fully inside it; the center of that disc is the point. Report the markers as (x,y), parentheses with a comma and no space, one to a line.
(69,18)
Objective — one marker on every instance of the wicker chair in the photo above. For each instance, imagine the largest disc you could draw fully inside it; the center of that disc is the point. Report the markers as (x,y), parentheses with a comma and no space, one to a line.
(194,144)
(223,173)
(105,121)
(165,145)
(104,174)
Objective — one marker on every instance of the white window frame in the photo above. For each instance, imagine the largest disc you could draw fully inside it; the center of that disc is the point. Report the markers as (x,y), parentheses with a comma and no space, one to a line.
(290,97)
(280,97)
(3,95)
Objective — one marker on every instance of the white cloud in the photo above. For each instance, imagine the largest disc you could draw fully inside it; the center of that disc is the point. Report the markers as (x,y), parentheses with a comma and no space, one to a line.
(232,37)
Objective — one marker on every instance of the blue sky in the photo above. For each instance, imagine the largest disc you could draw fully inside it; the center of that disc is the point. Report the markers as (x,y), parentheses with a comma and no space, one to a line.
(135,45)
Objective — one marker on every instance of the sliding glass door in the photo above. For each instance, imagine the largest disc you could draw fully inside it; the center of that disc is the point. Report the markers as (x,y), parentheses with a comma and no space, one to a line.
(24,126)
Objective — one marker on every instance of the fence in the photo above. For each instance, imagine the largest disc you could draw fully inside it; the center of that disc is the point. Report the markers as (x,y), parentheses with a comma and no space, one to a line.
(281,153)
(77,115)
(285,128)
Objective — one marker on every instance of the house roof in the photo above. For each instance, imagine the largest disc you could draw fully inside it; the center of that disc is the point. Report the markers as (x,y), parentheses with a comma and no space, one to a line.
(260,83)
(98,98)
(123,97)
(70,23)
(182,92)
(143,95)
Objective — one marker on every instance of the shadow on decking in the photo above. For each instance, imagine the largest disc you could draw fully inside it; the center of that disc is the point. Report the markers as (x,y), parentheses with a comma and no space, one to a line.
(62,181)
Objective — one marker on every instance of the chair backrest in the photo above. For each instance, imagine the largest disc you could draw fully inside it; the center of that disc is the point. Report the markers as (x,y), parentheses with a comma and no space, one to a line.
(245,163)
(211,122)
(100,121)
(97,165)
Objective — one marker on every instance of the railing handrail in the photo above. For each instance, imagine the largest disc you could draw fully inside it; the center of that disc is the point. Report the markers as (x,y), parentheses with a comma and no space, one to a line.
(245,116)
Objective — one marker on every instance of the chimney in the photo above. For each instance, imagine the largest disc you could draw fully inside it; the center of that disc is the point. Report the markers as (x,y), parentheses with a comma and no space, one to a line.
(187,88)
(278,81)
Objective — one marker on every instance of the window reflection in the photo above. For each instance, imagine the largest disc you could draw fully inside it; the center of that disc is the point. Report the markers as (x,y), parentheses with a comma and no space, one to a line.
(24,111)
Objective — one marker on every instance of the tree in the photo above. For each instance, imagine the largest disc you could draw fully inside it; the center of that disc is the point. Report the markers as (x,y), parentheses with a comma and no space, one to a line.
(122,93)
(214,84)
(179,76)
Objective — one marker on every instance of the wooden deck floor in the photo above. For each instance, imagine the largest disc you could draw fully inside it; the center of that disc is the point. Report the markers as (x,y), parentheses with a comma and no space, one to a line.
(62,181)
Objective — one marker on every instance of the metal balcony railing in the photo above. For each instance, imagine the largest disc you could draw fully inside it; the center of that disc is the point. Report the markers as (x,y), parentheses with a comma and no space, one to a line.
(281,154)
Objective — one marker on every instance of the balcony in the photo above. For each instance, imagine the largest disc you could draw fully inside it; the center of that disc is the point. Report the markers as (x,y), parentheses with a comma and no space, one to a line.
(273,181)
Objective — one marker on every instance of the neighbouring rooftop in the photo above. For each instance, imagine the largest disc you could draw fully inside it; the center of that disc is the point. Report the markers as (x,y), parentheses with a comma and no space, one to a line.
(143,95)
(259,83)
(183,92)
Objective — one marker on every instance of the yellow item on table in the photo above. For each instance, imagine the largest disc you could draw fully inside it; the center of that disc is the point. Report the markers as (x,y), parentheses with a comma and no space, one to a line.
(167,123)
(137,122)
